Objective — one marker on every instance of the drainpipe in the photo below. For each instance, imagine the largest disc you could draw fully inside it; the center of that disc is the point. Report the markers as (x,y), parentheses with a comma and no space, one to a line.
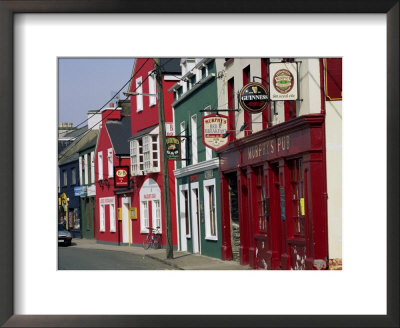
(325,191)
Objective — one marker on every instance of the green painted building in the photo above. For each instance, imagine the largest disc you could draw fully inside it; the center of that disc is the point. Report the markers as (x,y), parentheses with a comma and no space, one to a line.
(88,189)
(197,174)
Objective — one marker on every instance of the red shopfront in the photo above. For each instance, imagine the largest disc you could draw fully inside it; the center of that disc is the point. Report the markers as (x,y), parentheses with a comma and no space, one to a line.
(273,196)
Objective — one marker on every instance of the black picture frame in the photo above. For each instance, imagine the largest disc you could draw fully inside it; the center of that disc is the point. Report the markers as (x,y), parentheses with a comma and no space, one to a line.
(7,11)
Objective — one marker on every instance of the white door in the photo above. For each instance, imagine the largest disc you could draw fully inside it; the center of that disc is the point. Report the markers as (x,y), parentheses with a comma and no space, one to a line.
(125,221)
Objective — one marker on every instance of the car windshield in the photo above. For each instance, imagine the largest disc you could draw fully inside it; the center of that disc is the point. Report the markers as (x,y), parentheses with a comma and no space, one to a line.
(61,227)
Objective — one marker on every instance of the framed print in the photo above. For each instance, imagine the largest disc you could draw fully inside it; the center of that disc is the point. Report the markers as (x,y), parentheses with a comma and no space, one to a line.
(211,298)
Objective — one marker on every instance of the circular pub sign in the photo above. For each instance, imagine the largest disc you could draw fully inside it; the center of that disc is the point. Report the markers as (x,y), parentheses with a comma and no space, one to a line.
(254,97)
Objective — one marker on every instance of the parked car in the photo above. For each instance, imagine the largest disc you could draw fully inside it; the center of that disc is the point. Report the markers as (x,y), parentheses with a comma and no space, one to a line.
(64,236)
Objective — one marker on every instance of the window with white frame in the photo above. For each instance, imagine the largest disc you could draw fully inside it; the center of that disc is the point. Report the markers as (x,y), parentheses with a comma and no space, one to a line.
(102,219)
(139,97)
(150,153)
(144,218)
(112,218)
(194,138)
(210,210)
(110,162)
(208,149)
(152,88)
(136,155)
(92,167)
(157,214)
(80,168)
(100,164)
(85,165)
(183,144)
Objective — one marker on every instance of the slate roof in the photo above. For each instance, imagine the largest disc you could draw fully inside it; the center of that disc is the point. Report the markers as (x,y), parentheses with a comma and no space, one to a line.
(119,132)
(77,145)
(170,66)
(143,132)
(75,133)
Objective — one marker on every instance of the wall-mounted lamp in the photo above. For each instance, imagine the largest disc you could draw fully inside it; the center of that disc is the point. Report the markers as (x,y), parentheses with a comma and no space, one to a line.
(243,126)
(100,182)
(106,182)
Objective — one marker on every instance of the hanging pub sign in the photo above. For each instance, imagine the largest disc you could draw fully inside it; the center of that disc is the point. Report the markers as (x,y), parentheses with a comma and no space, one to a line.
(121,176)
(283,81)
(173,147)
(254,97)
(214,126)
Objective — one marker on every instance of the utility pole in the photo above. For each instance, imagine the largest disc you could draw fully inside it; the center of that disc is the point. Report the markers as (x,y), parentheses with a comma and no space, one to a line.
(164,161)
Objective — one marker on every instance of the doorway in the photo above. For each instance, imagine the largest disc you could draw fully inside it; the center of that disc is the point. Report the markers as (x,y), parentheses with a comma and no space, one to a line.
(126,231)
(234,215)
(195,217)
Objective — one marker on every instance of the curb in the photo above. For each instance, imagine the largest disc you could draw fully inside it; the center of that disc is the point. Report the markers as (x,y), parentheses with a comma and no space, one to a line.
(164,261)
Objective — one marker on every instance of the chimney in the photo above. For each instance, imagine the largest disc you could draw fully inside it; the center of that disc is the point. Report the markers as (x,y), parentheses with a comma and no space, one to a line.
(61,125)
(70,125)
(111,105)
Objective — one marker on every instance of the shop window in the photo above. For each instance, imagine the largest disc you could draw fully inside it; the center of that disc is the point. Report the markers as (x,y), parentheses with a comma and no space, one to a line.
(210,209)
(144,218)
(186,202)
(139,97)
(112,218)
(157,214)
(73,176)
(297,186)
(262,201)
(152,88)
(102,219)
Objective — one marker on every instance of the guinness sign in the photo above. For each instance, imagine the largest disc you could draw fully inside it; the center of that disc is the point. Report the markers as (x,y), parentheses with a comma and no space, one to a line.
(254,97)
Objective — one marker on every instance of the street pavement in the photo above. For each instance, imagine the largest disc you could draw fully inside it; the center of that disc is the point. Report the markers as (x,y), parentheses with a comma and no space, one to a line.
(180,261)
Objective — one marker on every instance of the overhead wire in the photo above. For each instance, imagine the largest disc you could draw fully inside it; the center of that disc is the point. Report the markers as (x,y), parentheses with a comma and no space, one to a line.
(103,118)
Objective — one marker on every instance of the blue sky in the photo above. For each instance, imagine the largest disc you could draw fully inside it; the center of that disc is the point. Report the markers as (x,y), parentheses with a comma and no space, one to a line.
(87,84)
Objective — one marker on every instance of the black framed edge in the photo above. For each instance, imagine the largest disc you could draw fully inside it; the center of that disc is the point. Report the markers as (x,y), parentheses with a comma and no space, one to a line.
(8,8)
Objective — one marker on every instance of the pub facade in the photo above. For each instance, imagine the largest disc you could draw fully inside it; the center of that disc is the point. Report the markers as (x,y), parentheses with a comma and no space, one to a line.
(281,164)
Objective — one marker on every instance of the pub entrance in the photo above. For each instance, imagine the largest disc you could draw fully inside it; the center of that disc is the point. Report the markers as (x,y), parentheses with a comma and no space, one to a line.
(234,215)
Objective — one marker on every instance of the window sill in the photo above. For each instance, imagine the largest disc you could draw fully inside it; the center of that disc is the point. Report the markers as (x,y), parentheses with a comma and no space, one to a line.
(211,238)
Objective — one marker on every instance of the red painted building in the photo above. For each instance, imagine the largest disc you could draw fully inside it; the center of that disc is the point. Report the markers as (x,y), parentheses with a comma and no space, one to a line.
(145,164)
(274,178)
(112,150)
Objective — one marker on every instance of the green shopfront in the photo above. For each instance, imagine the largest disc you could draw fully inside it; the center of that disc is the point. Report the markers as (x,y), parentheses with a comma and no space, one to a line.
(197,172)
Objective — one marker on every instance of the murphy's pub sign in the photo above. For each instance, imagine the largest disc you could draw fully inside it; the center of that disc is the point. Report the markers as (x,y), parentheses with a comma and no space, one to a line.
(214,126)
(121,176)
(254,97)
